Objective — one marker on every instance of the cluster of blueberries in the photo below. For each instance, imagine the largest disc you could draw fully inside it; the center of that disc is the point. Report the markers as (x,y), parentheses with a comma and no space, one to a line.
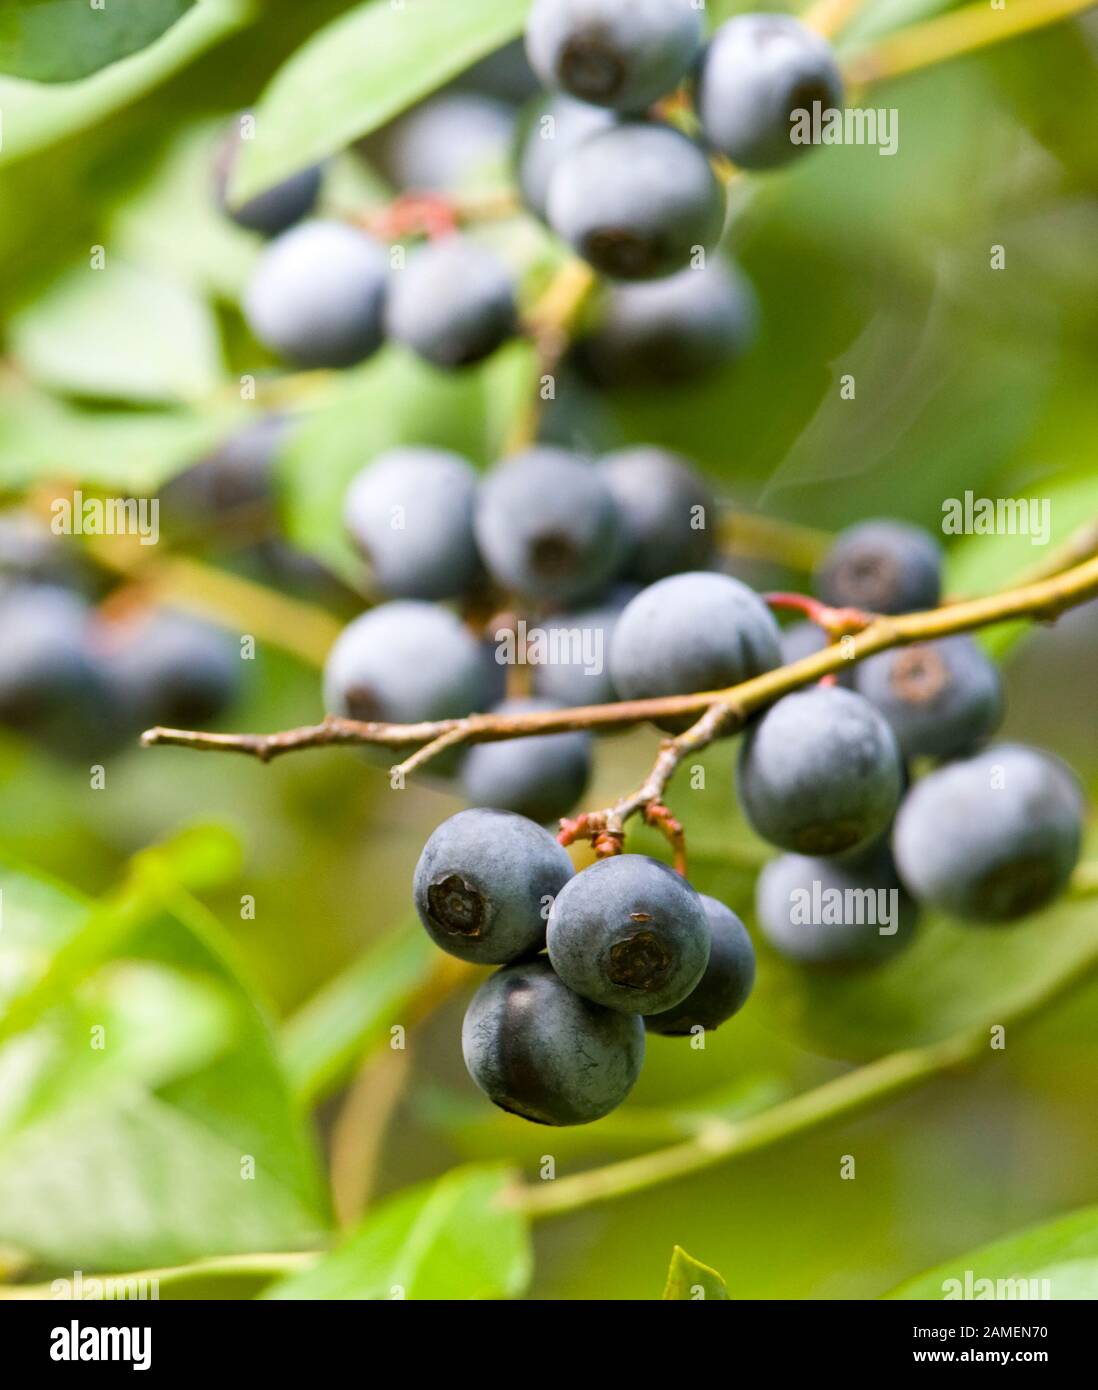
(597,158)
(83,681)
(623,546)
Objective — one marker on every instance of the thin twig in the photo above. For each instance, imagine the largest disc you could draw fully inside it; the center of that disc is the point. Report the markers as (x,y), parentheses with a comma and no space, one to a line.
(1042,600)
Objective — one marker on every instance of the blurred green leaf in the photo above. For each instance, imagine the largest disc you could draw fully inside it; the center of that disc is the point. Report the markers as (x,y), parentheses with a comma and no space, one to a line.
(223,1277)
(1063,1252)
(59,40)
(36,116)
(361,70)
(132,1052)
(688,1278)
(354,1012)
(452,1239)
(119,333)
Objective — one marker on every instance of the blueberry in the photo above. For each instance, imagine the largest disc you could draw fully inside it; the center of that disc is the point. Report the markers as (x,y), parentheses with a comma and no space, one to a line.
(175,669)
(691,632)
(410,512)
(638,201)
(942,698)
(484,883)
(883,567)
(802,639)
(993,837)
(542,777)
(820,772)
(670,331)
(547,526)
(405,662)
(277,208)
(459,140)
(629,933)
(232,487)
(723,990)
(317,295)
(553,128)
(668,509)
(453,304)
(620,53)
(538,1050)
(53,687)
(576,665)
(757,71)
(31,554)
(831,912)
(505,74)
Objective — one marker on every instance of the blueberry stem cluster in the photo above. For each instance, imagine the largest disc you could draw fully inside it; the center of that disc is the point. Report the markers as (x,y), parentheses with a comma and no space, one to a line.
(1041,600)
(719,1140)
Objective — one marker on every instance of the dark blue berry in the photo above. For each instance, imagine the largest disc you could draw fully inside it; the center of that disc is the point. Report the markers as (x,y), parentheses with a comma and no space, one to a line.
(820,772)
(275,209)
(757,71)
(459,140)
(638,201)
(538,1050)
(453,304)
(620,53)
(834,912)
(542,777)
(484,884)
(575,669)
(317,295)
(723,990)
(175,669)
(410,513)
(994,837)
(668,510)
(629,933)
(942,698)
(882,567)
(551,130)
(231,488)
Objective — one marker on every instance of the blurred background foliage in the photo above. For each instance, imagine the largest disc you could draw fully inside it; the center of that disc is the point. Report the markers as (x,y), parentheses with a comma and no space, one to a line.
(966,378)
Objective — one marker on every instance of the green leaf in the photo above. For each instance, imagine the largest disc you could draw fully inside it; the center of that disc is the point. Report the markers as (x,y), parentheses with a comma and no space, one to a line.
(133,1052)
(119,333)
(222,1277)
(354,1012)
(954,977)
(361,70)
(1064,1253)
(688,1278)
(451,1239)
(59,40)
(37,116)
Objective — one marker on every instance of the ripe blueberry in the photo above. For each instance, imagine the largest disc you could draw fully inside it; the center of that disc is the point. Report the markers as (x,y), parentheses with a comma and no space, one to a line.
(576,669)
(410,513)
(459,140)
(690,632)
(629,933)
(406,661)
(668,511)
(317,295)
(547,526)
(638,201)
(942,698)
(453,304)
(883,567)
(757,71)
(174,669)
(839,912)
(273,210)
(541,777)
(232,487)
(723,990)
(620,53)
(538,1050)
(484,883)
(670,331)
(993,837)
(820,772)
(553,128)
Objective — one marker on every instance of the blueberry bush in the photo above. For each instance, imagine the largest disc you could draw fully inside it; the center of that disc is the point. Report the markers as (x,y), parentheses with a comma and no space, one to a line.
(504,539)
